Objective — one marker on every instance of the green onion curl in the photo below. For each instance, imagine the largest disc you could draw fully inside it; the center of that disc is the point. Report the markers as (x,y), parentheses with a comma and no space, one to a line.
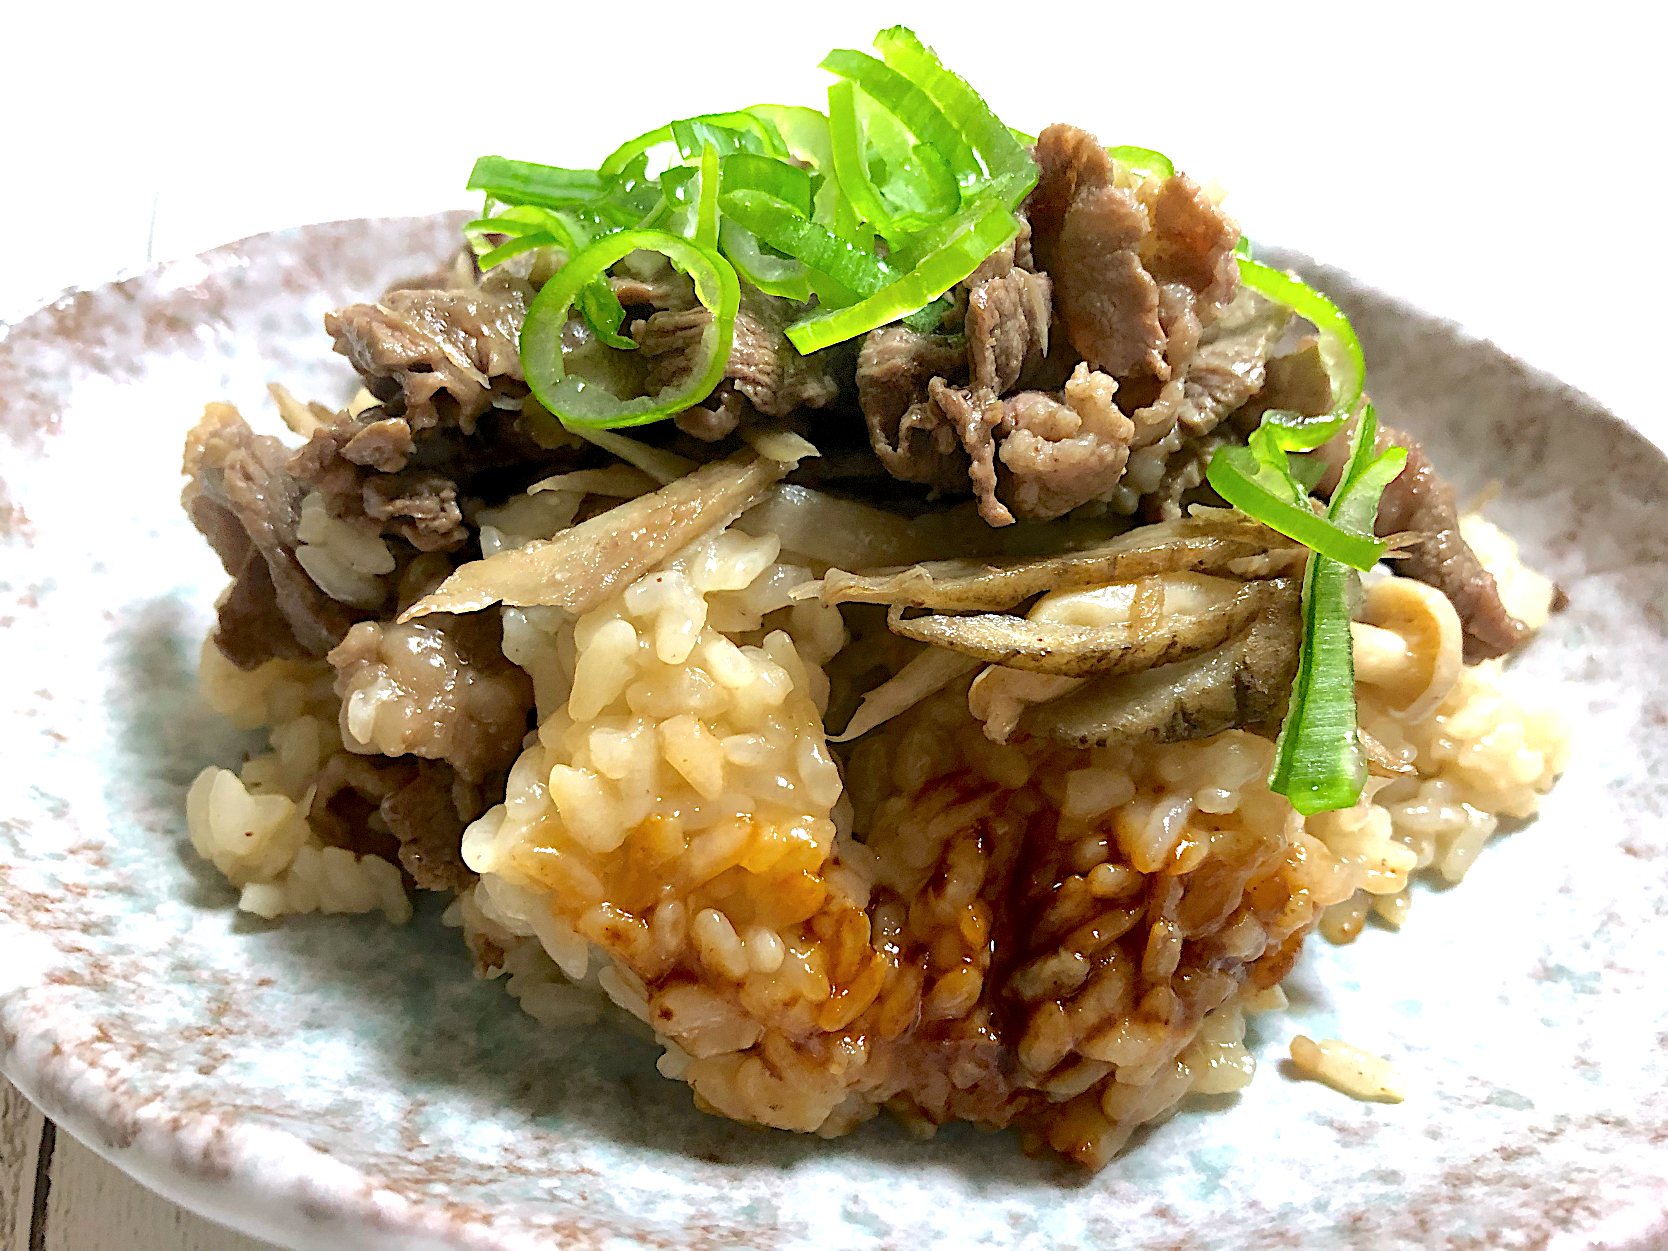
(577,401)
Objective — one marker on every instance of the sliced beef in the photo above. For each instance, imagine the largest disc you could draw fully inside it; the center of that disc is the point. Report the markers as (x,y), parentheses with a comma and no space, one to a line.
(437,357)
(661,288)
(1296,381)
(427,818)
(1007,327)
(973,417)
(1112,249)
(764,367)
(1421,501)
(438,687)
(1184,473)
(1192,243)
(1231,363)
(768,370)
(410,811)
(1108,302)
(894,367)
(246,503)
(1060,452)
(672,343)
(717,416)
(418,506)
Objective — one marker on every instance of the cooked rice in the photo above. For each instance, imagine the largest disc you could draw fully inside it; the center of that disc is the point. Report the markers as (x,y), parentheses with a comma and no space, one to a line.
(809,947)
(1357,1073)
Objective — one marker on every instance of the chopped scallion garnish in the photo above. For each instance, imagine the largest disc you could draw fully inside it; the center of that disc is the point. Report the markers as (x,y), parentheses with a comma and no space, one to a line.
(1317,763)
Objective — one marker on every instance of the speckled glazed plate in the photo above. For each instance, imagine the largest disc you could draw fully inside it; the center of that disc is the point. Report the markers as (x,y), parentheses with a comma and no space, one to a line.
(334,1082)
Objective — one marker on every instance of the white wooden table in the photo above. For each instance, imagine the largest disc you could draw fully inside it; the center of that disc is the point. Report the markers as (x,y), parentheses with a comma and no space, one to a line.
(1496,165)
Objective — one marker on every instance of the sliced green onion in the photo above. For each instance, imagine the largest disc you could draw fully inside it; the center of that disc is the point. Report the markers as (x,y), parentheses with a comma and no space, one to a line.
(850,165)
(774,275)
(515,247)
(776,223)
(746,171)
(706,215)
(915,182)
(602,312)
(1340,349)
(569,232)
(524,182)
(1317,760)
(1318,764)
(1002,192)
(983,131)
(930,278)
(577,401)
(805,131)
(1144,161)
(910,105)
(1270,495)
(690,134)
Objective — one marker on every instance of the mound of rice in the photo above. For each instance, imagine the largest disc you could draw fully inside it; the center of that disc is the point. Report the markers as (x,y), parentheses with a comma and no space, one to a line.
(1066,941)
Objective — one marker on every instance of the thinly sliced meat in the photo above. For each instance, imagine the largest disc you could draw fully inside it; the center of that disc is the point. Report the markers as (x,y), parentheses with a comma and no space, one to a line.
(424,816)
(974,416)
(420,507)
(1087,234)
(1061,452)
(1192,242)
(1231,363)
(1007,327)
(439,688)
(400,809)
(894,367)
(764,367)
(673,344)
(1421,501)
(1107,300)
(437,357)
(717,416)
(248,506)
(767,369)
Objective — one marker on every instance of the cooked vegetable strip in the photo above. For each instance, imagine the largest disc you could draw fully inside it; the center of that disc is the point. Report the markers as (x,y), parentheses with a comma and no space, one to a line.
(581,566)
(1066,650)
(577,401)
(1318,763)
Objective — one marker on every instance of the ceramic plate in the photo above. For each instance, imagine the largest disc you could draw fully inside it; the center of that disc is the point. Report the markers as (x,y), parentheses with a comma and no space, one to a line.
(331,1081)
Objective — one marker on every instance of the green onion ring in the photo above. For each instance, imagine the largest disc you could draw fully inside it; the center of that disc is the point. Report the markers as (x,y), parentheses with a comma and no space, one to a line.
(1339,347)
(1144,161)
(576,402)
